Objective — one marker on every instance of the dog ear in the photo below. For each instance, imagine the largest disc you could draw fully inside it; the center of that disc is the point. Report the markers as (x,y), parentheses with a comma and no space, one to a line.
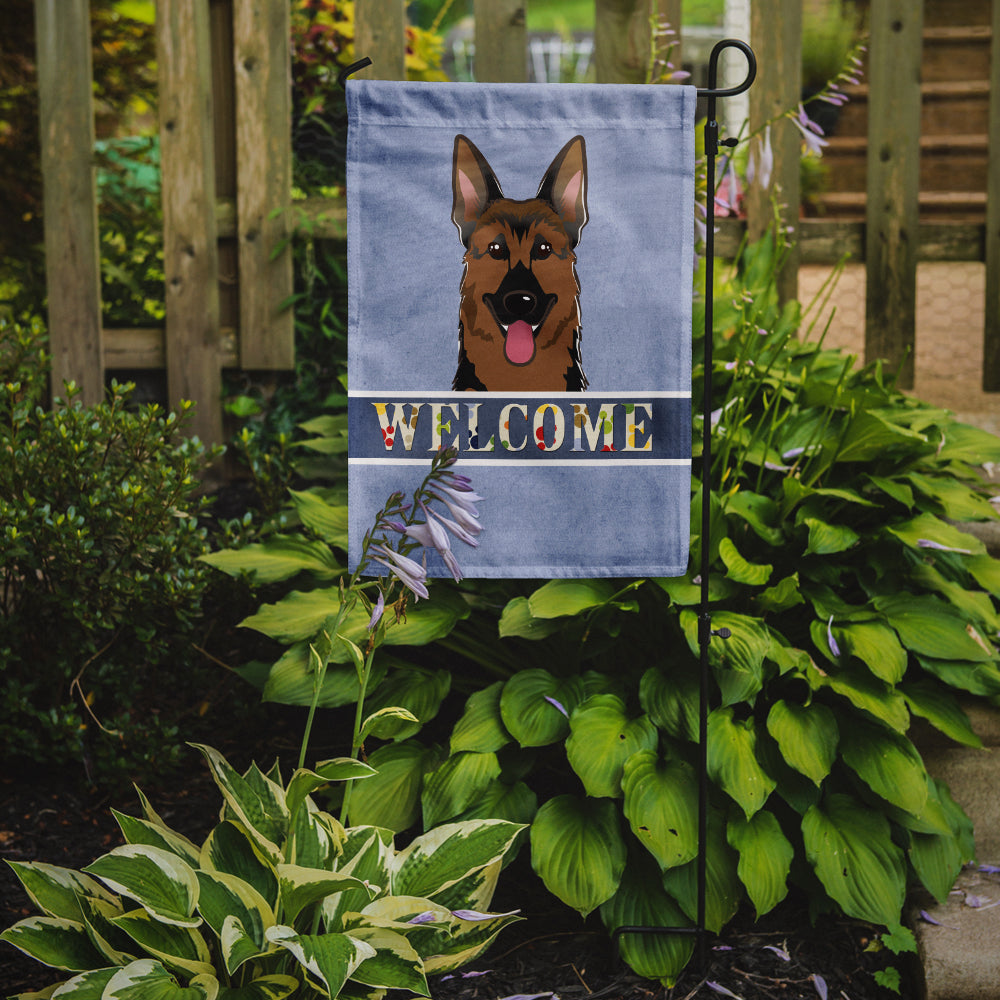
(564,186)
(474,186)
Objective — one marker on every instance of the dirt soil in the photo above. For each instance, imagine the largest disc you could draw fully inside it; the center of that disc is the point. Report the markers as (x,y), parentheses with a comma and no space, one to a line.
(552,952)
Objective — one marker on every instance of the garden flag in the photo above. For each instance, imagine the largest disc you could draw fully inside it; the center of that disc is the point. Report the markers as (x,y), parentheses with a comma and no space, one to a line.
(520,263)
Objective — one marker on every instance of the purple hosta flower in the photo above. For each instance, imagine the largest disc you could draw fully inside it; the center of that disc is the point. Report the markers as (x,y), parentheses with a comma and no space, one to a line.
(928,543)
(411,574)
(427,917)
(465,975)
(457,530)
(377,611)
(927,918)
(438,540)
(990,869)
(780,952)
(728,195)
(811,132)
(475,915)
(719,988)
(820,983)
(834,648)
(557,704)
(761,163)
(465,514)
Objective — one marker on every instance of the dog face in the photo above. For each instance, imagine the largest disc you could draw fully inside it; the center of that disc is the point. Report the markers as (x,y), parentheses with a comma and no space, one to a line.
(519,316)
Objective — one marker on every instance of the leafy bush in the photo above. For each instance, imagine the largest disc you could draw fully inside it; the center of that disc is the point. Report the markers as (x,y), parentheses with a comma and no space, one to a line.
(854,603)
(279,899)
(99,539)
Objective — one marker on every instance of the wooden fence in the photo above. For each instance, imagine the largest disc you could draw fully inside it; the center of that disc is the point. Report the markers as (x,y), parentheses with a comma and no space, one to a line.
(226,160)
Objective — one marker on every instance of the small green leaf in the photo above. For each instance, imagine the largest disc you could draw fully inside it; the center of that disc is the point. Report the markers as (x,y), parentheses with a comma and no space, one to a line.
(828,539)
(765,858)
(456,784)
(930,627)
(535,706)
(670,698)
(558,598)
(481,727)
(732,760)
(279,558)
(328,521)
(739,569)
(888,763)
(807,736)
(391,798)
(517,620)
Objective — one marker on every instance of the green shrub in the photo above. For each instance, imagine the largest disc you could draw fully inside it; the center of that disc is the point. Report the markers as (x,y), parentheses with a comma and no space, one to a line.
(279,900)
(99,541)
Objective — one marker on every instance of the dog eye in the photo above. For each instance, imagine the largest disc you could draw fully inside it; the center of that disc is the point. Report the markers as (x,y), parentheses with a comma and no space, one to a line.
(497,250)
(541,250)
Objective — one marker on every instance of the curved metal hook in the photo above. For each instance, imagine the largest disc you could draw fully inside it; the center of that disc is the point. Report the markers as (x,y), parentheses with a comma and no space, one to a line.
(713,69)
(353,68)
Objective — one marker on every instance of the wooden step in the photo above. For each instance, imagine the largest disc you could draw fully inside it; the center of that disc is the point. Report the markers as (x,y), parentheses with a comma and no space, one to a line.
(956,53)
(957,206)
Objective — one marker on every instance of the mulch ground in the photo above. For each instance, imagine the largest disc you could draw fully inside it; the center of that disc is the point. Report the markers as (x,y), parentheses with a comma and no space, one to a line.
(58,820)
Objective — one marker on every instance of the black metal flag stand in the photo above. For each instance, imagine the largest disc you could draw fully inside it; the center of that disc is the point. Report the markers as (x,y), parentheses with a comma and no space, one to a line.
(705,631)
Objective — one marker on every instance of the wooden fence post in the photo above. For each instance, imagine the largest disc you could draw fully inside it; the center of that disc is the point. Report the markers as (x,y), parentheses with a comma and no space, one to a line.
(380,34)
(262,61)
(72,255)
(622,40)
(501,41)
(190,251)
(776,35)
(991,332)
(892,215)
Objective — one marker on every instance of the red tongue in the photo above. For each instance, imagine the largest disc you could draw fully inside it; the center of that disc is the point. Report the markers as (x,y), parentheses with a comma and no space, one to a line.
(520,344)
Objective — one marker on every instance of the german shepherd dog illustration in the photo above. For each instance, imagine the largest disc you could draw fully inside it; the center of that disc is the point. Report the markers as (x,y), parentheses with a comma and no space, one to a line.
(519,317)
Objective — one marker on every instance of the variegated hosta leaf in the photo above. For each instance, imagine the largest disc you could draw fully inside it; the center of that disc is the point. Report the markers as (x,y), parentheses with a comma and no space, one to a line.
(578,851)
(56,891)
(147,979)
(395,964)
(441,857)
(256,801)
(807,736)
(765,858)
(456,784)
(723,889)
(366,855)
(642,902)
(177,947)
(158,880)
(98,915)
(315,838)
(466,941)
(732,760)
(141,831)
(300,887)
(416,690)
(481,727)
(475,891)
(274,987)
(888,763)
(225,897)
(535,706)
(230,849)
(391,799)
(304,782)
(329,959)
(602,737)
(86,986)
(661,800)
(54,941)
(850,847)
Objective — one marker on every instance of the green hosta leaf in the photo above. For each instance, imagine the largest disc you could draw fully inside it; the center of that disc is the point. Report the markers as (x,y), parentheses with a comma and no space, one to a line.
(661,799)
(327,520)
(957,501)
(807,736)
(827,539)
(758,511)
(865,692)
(147,979)
(517,620)
(260,809)
(986,571)
(783,595)
(671,699)
(765,858)
(641,901)
(225,897)
(937,859)
(141,831)
(558,598)
(941,709)
(330,959)
(893,488)
(275,987)
(54,941)
(530,706)
(976,605)
(279,558)
(415,689)
(850,847)
(976,678)
(395,964)
(230,849)
(732,760)
(180,948)
(965,443)
(456,784)
(578,851)
(876,646)
(163,884)
(723,889)
(683,591)
(301,887)
(932,628)
(738,661)
(481,728)
(602,738)
(516,803)
(291,680)
(739,569)
(869,436)
(304,782)
(56,891)
(928,528)
(440,858)
(391,798)
(888,763)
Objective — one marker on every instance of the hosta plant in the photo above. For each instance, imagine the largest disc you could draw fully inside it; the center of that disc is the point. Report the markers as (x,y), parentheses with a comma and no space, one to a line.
(279,900)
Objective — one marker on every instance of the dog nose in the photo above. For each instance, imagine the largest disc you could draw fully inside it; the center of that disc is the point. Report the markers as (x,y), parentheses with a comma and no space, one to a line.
(519,303)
